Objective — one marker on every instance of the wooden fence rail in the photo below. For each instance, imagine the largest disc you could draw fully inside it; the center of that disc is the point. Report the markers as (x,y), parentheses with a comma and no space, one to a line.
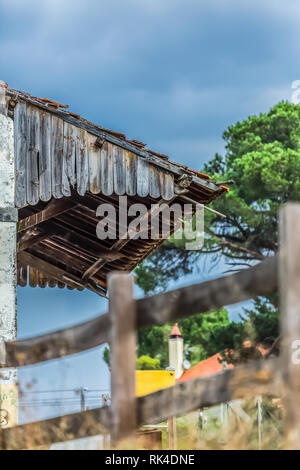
(118,327)
(255,378)
(155,310)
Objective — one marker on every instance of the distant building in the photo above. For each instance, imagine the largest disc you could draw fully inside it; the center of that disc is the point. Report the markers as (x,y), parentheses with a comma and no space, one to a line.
(212,365)
(176,351)
(212,420)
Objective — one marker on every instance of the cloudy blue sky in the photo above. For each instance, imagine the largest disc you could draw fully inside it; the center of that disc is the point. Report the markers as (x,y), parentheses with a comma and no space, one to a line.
(173,74)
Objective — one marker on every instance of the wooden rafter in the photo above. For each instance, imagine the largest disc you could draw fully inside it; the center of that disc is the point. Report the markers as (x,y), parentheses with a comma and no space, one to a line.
(79,241)
(58,273)
(119,244)
(31,238)
(53,209)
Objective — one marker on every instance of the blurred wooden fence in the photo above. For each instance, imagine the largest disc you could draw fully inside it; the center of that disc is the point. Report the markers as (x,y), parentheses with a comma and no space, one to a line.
(274,376)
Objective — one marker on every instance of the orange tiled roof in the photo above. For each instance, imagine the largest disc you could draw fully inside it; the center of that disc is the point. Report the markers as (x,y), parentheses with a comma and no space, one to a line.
(209,366)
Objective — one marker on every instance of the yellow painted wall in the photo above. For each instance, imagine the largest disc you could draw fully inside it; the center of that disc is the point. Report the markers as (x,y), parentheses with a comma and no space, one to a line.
(149,381)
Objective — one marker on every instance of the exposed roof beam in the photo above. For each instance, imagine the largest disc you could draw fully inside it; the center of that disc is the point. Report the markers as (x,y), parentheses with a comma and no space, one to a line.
(31,238)
(54,228)
(53,209)
(119,244)
(58,273)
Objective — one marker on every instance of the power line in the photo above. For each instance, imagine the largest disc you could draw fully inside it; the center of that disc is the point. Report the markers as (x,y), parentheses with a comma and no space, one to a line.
(64,390)
(81,398)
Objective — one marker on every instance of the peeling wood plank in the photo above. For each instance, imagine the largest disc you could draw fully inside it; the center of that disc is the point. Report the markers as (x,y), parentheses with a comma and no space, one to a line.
(58,274)
(33,277)
(65,170)
(42,282)
(52,283)
(119,170)
(3,99)
(50,270)
(131,173)
(173,167)
(66,188)
(142,178)
(107,177)
(20,124)
(57,146)
(94,154)
(33,134)
(69,159)
(155,187)
(82,164)
(167,187)
(23,274)
(45,180)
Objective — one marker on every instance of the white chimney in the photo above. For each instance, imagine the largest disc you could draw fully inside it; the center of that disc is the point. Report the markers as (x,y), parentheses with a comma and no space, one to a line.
(176,351)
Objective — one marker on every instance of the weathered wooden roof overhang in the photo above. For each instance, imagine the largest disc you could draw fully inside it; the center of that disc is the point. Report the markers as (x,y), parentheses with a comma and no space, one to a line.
(65,168)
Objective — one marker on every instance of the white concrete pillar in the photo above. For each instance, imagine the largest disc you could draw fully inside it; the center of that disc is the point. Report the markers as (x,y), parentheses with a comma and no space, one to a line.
(176,351)
(8,219)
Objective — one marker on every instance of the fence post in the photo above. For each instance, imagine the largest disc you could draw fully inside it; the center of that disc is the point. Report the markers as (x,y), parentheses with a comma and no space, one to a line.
(172,433)
(289,271)
(105,399)
(122,312)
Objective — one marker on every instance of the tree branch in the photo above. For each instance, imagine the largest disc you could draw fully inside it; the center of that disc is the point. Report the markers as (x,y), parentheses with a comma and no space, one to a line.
(234,246)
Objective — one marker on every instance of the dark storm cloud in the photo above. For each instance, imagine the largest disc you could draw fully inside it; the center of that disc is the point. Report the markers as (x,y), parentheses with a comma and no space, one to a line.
(173,74)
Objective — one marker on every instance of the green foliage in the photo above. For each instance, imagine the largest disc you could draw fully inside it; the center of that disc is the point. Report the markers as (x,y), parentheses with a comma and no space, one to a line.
(196,330)
(148,363)
(263,158)
(153,342)
(105,356)
(167,262)
(240,341)
(143,362)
